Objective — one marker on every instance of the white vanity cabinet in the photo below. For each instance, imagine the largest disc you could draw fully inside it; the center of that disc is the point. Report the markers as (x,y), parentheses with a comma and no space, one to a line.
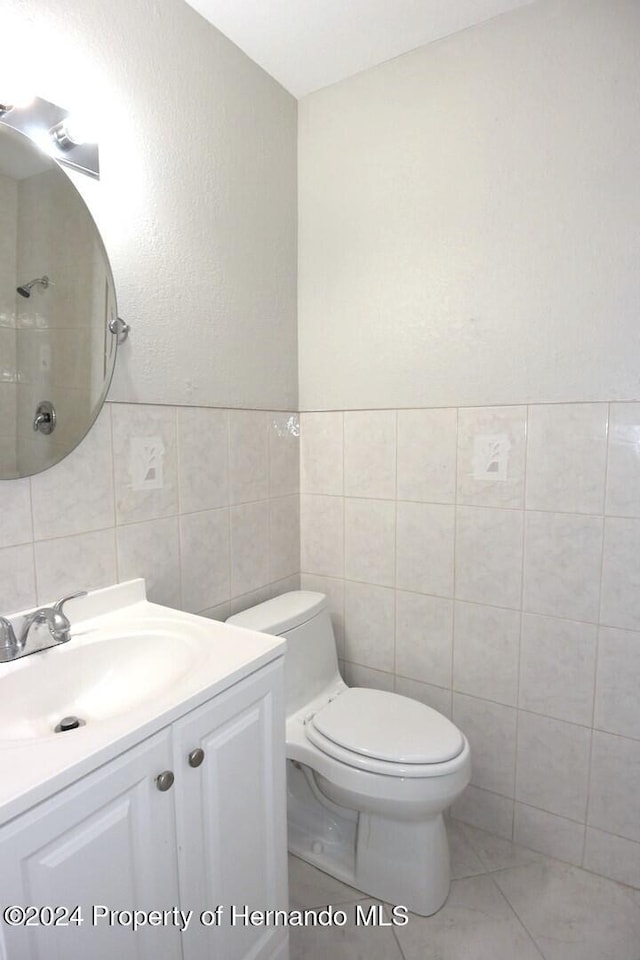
(114,839)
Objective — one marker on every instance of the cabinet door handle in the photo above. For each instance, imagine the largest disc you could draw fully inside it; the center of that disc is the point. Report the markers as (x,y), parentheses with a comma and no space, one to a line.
(164,780)
(196,757)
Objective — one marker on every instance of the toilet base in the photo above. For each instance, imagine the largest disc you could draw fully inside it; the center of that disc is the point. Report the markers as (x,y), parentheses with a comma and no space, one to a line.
(400,862)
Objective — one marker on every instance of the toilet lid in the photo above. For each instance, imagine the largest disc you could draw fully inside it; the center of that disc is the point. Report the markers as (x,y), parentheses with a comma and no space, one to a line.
(389,727)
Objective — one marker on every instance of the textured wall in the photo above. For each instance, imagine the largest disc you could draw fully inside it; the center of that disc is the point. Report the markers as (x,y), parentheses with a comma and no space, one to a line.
(468,218)
(197,196)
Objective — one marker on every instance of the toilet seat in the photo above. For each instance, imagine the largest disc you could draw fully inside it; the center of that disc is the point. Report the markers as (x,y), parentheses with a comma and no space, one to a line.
(385,733)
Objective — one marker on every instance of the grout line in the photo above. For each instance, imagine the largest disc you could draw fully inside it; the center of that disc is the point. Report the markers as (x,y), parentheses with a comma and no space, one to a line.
(395,563)
(455,542)
(597,649)
(518,917)
(522,613)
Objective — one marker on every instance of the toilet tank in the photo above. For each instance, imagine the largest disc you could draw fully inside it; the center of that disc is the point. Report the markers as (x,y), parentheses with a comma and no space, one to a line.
(311,662)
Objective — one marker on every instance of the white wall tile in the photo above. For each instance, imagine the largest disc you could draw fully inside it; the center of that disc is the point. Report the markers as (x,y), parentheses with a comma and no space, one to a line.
(557,668)
(204,550)
(621,574)
(248,455)
(370,454)
(425,538)
(566,457)
(485,652)
(203,458)
(322,453)
(135,422)
(438,698)
(17,576)
(617,703)
(77,495)
(356,675)
(623,468)
(247,600)
(249,547)
(490,729)
(284,537)
(15,513)
(562,563)
(286,585)
(548,833)
(151,550)
(485,810)
(334,590)
(553,765)
(369,541)
(612,857)
(86,561)
(505,428)
(424,636)
(488,560)
(427,455)
(369,629)
(322,535)
(284,454)
(615,785)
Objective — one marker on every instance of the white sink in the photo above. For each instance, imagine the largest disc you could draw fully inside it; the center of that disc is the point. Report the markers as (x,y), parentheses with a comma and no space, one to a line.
(94,677)
(130,668)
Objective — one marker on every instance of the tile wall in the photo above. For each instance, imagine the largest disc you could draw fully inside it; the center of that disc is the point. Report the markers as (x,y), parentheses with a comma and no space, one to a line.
(216,528)
(487,562)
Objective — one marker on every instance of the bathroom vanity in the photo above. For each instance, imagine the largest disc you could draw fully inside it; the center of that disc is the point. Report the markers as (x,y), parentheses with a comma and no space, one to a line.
(169,800)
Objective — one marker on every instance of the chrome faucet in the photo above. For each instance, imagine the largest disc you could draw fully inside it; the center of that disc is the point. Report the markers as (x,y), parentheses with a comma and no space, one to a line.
(8,643)
(13,646)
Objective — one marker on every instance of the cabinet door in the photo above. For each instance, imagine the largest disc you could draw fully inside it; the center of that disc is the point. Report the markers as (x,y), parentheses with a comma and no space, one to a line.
(108,840)
(231,817)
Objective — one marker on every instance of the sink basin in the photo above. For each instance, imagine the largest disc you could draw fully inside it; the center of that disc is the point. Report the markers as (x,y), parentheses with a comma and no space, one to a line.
(94,678)
(130,669)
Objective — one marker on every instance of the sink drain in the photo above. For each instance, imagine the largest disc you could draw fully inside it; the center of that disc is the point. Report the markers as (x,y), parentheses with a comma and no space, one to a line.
(69,723)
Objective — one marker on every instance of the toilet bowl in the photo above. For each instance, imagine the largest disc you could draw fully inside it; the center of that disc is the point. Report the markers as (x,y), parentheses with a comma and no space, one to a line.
(369,773)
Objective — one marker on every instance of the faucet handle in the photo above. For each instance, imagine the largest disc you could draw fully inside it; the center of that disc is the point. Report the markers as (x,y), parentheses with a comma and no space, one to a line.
(59,624)
(7,635)
(58,605)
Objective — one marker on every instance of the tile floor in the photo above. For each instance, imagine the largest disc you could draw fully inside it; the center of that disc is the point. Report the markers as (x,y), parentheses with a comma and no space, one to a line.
(506,903)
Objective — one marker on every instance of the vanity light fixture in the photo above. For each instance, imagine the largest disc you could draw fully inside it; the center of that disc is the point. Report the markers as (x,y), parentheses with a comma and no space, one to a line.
(55,132)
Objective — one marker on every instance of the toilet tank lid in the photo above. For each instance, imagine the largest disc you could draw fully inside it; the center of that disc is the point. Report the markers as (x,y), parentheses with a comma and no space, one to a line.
(281,614)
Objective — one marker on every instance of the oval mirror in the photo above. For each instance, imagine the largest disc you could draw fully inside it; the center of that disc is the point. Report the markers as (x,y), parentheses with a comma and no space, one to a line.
(57,299)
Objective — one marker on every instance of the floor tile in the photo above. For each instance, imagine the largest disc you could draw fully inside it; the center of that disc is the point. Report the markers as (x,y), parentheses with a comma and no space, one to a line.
(309,887)
(572,914)
(465,862)
(348,942)
(476,923)
(496,853)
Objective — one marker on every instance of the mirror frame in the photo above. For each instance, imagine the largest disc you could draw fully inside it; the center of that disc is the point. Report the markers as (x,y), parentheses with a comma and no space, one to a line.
(115,332)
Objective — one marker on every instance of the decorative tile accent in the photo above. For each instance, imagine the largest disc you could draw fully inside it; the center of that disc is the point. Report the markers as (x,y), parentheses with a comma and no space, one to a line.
(486,481)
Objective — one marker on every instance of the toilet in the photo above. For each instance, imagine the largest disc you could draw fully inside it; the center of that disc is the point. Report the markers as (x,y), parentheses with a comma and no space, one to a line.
(369,773)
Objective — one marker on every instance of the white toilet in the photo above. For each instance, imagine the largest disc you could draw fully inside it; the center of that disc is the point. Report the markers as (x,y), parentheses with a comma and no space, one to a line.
(369,773)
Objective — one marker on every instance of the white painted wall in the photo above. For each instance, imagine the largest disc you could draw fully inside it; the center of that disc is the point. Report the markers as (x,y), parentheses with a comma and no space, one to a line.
(197,196)
(469,218)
